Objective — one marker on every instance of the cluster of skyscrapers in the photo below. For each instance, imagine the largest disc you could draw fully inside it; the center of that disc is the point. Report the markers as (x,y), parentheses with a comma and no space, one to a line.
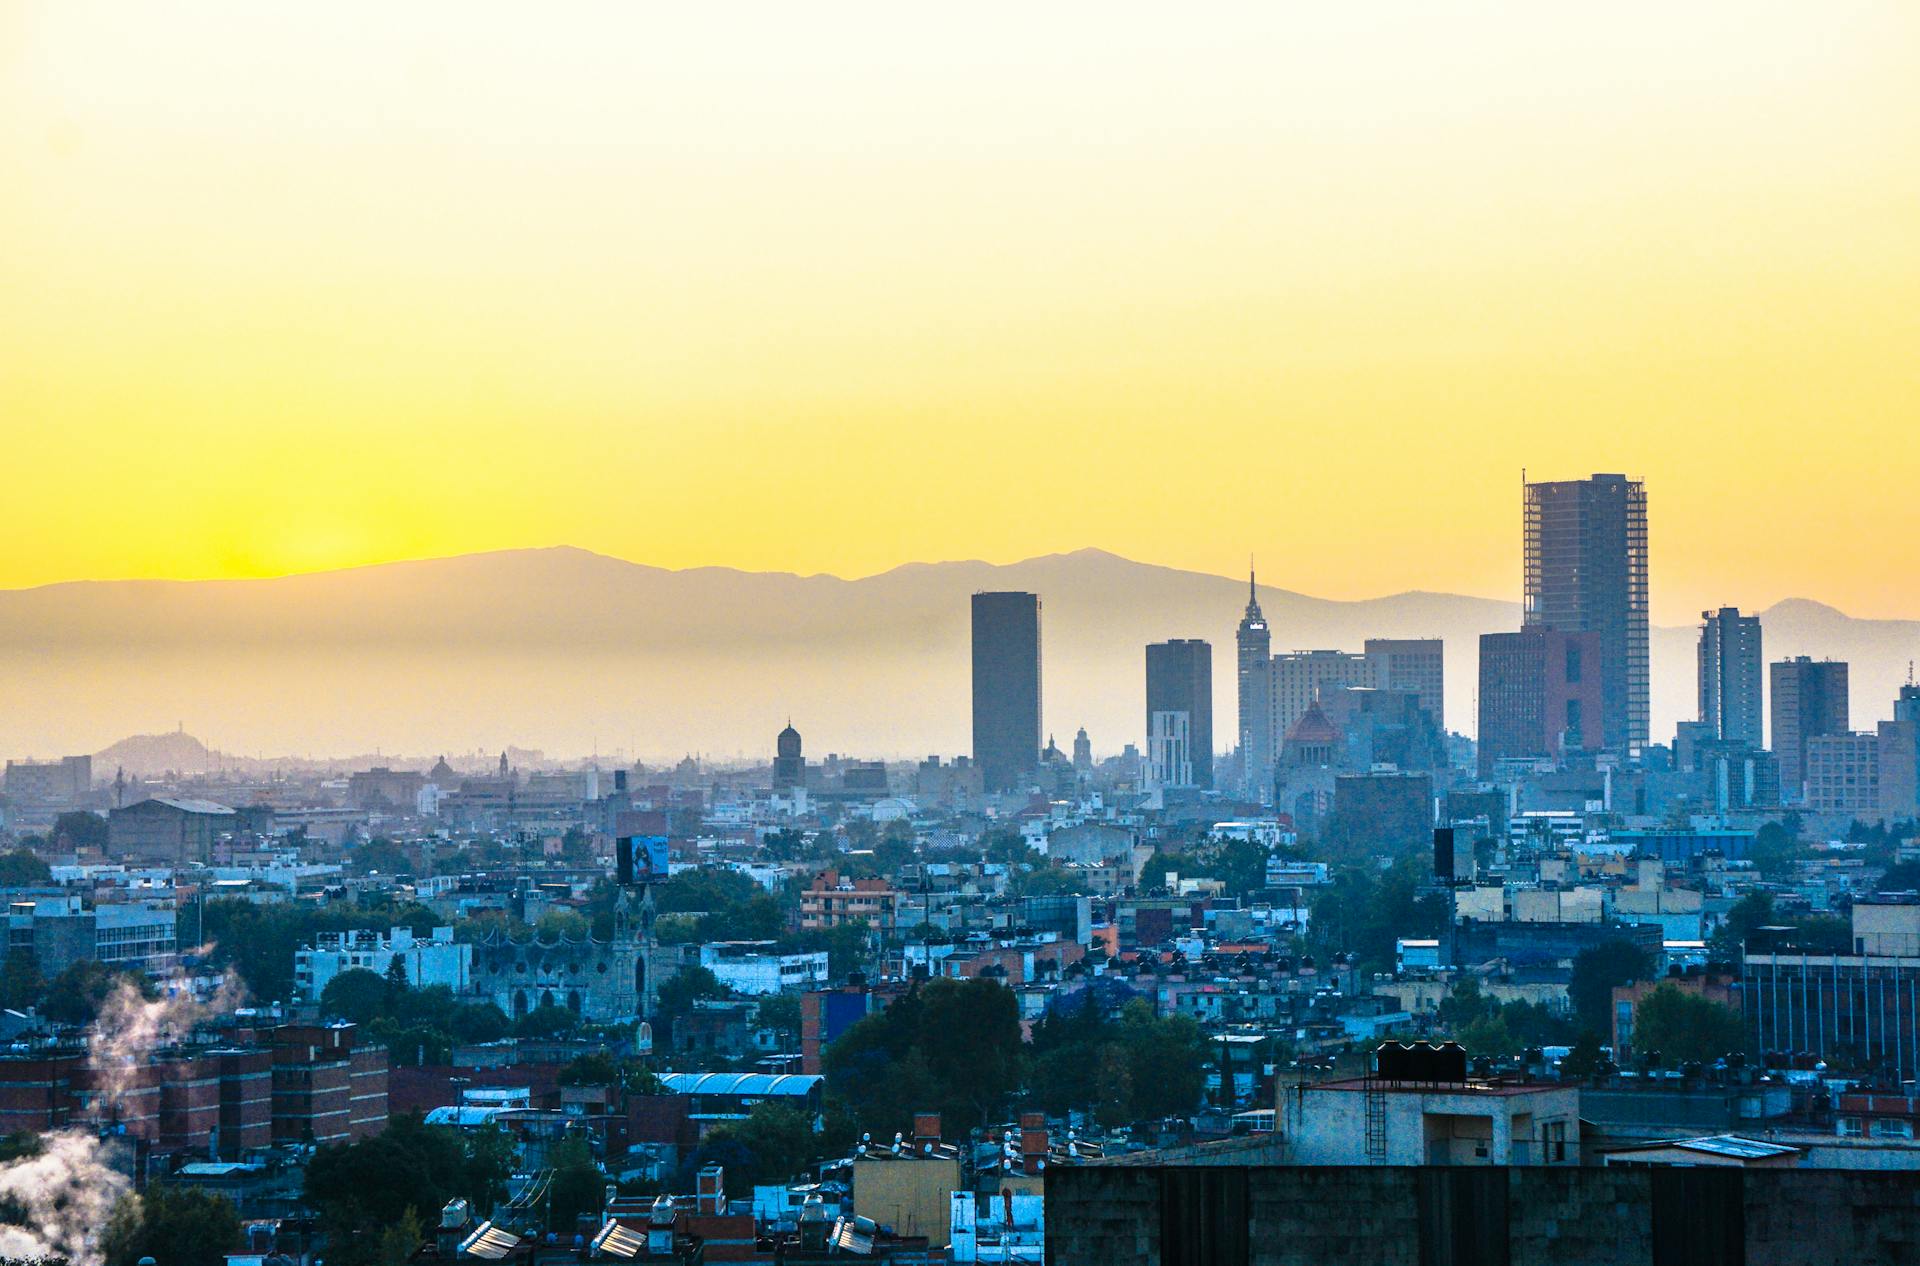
(1571,684)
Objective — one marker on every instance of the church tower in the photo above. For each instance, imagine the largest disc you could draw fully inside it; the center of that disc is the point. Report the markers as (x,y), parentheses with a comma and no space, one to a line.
(1255,645)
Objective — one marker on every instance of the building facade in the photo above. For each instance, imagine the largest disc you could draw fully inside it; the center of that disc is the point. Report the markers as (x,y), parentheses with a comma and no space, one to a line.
(1297,679)
(1856,1011)
(1586,572)
(1542,696)
(1418,665)
(167,832)
(1809,701)
(1843,775)
(1729,661)
(1900,758)
(1006,689)
(757,968)
(434,959)
(59,932)
(64,782)
(1180,714)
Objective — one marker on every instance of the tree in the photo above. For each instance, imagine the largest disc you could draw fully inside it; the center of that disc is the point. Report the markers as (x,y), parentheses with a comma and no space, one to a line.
(1488,1035)
(479,1022)
(781,1013)
(777,1141)
(578,1186)
(170,1224)
(1748,915)
(398,986)
(949,1046)
(22,869)
(356,995)
(360,1188)
(1583,1060)
(1596,971)
(76,995)
(1113,1087)
(21,985)
(548,1021)
(398,1243)
(1901,877)
(678,992)
(1685,1027)
(380,855)
(1775,851)
(79,828)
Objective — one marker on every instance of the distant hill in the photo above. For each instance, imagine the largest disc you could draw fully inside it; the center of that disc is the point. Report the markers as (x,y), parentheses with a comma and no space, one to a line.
(571,651)
(149,755)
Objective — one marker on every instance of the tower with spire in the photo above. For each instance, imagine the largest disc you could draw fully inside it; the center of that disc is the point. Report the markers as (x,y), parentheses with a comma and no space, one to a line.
(1255,657)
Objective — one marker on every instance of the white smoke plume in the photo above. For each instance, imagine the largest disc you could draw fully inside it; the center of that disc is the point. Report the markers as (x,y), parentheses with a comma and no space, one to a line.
(63,1197)
(60,1200)
(130,1027)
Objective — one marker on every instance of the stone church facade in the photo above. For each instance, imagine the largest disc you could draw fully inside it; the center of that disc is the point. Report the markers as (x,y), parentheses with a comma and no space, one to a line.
(604,982)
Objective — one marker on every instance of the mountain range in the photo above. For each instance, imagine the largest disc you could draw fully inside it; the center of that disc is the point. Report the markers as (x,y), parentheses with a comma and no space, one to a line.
(575,652)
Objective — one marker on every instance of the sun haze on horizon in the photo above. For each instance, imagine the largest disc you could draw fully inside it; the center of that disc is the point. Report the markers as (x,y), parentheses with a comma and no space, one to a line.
(831,290)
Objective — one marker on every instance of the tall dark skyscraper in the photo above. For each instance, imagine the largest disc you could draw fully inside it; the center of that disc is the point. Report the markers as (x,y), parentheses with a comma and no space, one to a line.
(1809,702)
(1729,661)
(1254,644)
(1586,572)
(1180,713)
(1006,688)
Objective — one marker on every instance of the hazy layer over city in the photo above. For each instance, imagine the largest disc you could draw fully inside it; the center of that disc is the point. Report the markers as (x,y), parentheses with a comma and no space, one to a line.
(574,653)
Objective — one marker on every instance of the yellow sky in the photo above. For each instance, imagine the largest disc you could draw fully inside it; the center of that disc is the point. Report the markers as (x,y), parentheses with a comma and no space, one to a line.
(832,287)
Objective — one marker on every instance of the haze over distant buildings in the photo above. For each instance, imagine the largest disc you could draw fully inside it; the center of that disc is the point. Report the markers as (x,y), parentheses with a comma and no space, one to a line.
(572,653)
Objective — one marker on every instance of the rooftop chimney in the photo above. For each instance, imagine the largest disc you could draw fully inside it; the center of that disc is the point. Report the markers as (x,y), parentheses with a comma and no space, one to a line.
(1033,1141)
(711,1194)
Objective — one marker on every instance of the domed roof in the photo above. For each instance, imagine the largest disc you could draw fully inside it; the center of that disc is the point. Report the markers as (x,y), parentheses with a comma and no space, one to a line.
(789,732)
(1313,728)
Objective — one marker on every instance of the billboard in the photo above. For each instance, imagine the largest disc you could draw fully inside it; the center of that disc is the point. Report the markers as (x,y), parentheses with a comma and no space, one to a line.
(640,859)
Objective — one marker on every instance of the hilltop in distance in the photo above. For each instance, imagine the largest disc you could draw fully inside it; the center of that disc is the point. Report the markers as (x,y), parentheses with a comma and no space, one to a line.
(575,652)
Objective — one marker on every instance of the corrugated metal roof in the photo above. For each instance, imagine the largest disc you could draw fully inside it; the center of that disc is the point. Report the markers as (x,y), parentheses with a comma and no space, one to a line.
(746,1085)
(191,806)
(1735,1146)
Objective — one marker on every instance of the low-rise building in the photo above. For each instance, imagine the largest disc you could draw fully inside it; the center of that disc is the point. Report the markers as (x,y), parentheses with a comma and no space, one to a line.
(834,900)
(435,959)
(753,967)
(60,931)
(1370,1121)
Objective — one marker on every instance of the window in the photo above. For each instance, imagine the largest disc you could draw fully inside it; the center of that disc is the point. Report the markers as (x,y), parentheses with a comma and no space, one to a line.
(1573,663)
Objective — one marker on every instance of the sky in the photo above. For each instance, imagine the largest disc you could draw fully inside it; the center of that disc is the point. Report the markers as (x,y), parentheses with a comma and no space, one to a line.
(829,288)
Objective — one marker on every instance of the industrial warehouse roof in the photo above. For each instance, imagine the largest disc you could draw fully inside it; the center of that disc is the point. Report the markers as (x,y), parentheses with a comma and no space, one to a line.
(748,1085)
(188,806)
(1729,1145)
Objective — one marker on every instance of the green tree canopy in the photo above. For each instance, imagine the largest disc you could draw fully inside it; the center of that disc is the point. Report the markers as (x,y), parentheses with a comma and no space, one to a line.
(777,1142)
(360,1188)
(1595,973)
(950,1046)
(356,995)
(79,828)
(1683,1026)
(24,869)
(76,994)
(170,1224)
